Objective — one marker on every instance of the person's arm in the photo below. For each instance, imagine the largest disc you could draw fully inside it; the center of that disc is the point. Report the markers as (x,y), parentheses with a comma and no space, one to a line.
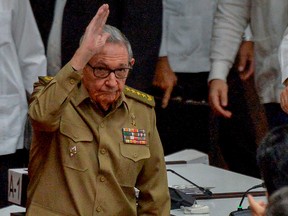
(230,21)
(246,55)
(154,198)
(47,104)
(165,78)
(29,45)
(283,59)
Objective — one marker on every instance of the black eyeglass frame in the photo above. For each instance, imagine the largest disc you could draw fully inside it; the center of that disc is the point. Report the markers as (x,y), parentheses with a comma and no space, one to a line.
(109,71)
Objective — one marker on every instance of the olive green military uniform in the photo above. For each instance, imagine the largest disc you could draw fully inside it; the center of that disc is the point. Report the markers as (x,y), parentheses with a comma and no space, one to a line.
(84,163)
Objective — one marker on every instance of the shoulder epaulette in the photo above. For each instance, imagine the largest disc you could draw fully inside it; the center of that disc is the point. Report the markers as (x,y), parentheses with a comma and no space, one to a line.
(44,80)
(139,96)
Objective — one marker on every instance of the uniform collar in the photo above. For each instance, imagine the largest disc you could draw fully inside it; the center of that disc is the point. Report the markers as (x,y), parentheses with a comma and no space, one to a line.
(83,95)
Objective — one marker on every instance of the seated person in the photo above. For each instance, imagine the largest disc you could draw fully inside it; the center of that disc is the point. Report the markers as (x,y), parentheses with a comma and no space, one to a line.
(278,203)
(272,159)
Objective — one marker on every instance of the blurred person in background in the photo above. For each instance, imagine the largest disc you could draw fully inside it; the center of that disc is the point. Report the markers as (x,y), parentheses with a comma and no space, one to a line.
(184,119)
(22,60)
(272,159)
(231,19)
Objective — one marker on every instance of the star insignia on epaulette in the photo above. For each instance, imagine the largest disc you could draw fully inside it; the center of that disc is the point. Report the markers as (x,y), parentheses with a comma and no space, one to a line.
(141,96)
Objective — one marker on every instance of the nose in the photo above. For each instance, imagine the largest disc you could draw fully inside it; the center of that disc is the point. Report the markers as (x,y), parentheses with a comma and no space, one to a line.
(111,80)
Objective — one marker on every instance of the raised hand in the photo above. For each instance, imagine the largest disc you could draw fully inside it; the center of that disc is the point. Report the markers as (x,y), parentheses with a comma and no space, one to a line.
(93,39)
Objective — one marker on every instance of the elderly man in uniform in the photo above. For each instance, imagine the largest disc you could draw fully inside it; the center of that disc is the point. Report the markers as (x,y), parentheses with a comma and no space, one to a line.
(95,140)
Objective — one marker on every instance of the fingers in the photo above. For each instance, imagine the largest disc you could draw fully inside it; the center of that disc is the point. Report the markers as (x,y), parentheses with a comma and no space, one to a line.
(248,73)
(99,20)
(258,209)
(166,97)
(284,100)
(242,63)
(218,98)
(93,39)
(218,104)
(102,15)
(246,60)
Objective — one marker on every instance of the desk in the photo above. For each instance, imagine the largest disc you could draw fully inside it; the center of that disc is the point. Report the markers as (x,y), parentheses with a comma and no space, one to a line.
(218,207)
(12,208)
(225,184)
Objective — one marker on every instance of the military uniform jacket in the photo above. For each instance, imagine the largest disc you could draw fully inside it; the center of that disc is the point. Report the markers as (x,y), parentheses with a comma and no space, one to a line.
(84,163)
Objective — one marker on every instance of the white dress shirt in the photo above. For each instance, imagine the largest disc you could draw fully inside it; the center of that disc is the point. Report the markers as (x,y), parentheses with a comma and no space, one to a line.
(54,40)
(22,60)
(186,35)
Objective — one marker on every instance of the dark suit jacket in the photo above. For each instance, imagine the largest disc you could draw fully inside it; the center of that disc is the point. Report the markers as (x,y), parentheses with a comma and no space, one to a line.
(139,20)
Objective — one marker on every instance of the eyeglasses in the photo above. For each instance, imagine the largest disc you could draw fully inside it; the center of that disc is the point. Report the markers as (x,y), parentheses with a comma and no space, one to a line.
(101,72)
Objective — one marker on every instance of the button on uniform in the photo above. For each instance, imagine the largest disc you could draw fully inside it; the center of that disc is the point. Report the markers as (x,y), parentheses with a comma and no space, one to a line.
(72,81)
(103,151)
(98,209)
(102,179)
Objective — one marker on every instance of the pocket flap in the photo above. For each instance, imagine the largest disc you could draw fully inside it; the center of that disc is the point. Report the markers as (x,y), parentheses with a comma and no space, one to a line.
(76,132)
(135,152)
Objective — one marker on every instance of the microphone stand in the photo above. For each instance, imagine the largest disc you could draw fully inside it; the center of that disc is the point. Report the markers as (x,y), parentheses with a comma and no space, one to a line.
(205,191)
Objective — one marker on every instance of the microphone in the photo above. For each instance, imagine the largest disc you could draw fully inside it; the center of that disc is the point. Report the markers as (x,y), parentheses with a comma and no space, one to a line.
(205,191)
(245,212)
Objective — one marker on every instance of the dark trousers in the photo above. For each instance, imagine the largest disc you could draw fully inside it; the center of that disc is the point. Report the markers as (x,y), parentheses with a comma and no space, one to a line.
(275,115)
(184,124)
(230,143)
(239,136)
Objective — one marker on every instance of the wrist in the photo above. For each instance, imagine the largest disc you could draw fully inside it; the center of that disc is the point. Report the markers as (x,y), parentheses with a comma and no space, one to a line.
(286,82)
(247,37)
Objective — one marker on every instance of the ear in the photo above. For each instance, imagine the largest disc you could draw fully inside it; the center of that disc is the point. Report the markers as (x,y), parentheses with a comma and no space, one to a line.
(132,62)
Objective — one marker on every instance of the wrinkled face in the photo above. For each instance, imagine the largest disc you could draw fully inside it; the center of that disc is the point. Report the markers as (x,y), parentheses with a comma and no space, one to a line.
(105,91)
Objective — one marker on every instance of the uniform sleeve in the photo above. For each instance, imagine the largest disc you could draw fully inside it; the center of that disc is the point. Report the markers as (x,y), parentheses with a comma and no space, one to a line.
(48,101)
(154,198)
(29,45)
(283,56)
(230,21)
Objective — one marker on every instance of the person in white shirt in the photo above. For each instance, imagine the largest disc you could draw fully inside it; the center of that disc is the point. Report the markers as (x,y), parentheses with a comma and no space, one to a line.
(268,21)
(181,90)
(181,74)
(22,60)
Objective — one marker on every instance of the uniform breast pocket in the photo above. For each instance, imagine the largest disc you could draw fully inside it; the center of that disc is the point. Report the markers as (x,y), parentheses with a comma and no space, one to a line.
(134,152)
(133,158)
(76,145)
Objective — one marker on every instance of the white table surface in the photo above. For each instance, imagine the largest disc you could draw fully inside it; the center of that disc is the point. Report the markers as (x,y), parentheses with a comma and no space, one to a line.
(12,208)
(222,181)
